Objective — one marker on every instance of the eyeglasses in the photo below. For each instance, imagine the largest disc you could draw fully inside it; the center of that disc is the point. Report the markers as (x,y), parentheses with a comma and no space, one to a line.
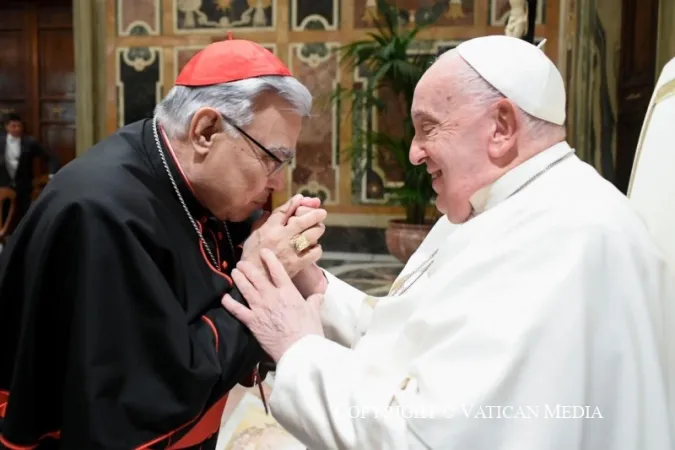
(278,162)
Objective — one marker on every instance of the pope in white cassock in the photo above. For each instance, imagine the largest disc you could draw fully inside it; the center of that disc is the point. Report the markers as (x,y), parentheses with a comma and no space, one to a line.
(536,315)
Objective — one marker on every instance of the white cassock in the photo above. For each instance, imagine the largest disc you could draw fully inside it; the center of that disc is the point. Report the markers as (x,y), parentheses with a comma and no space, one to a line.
(539,325)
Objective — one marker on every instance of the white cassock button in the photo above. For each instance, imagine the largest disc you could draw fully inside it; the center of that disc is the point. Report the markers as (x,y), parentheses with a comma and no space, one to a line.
(409,383)
(407,386)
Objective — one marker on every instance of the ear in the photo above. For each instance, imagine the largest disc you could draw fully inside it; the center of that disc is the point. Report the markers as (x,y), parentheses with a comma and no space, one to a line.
(205,125)
(503,138)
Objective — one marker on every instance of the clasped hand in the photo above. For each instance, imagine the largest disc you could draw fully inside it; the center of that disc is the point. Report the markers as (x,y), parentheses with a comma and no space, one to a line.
(277,314)
(277,231)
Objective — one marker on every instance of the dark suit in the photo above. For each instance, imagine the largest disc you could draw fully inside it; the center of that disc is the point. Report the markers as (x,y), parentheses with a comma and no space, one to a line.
(22,182)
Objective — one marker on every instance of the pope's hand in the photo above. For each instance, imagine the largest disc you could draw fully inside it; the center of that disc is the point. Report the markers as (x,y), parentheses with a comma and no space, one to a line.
(277,232)
(278,316)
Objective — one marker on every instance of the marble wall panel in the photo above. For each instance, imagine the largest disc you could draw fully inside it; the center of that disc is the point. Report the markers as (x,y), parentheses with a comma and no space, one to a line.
(353,239)
(315,170)
(208,16)
(315,14)
(448,12)
(138,17)
(139,83)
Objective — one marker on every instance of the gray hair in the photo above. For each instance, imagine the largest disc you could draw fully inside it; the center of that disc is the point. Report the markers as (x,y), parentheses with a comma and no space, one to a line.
(483,94)
(236,100)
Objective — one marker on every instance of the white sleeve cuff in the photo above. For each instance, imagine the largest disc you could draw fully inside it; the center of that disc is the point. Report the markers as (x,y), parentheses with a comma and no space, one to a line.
(300,399)
(320,385)
(345,313)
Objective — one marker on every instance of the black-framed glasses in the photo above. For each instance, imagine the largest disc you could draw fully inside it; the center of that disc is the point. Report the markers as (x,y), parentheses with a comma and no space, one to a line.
(278,162)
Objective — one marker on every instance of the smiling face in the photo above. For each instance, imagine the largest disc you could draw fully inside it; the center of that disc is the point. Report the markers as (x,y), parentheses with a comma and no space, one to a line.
(465,143)
(232,176)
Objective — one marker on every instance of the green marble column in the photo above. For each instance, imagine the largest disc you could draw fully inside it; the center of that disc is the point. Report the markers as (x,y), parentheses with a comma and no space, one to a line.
(594,96)
(666,40)
(90,71)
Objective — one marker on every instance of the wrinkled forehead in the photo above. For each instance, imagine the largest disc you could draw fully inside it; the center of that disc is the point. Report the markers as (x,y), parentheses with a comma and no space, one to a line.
(436,96)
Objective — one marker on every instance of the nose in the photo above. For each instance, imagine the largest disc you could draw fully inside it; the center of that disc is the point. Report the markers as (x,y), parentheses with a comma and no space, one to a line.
(277,181)
(417,155)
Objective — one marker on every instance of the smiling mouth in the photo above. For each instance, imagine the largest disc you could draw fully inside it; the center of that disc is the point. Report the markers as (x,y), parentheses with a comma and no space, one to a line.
(436,174)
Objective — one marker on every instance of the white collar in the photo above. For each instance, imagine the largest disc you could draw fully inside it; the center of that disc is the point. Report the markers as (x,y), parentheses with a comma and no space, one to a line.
(13,139)
(508,183)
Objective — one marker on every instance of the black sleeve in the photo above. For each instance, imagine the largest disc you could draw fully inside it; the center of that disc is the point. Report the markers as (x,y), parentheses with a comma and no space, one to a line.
(131,367)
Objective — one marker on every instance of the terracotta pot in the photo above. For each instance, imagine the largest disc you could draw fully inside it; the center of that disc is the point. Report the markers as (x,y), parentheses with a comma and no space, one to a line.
(404,238)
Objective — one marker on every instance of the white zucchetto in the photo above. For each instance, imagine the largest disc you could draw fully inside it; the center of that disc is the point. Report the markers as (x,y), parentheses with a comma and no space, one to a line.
(521,72)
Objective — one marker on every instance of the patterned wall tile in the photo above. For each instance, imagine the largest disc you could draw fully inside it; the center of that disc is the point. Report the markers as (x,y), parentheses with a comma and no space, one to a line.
(498,12)
(140,69)
(207,16)
(315,170)
(448,12)
(138,17)
(315,14)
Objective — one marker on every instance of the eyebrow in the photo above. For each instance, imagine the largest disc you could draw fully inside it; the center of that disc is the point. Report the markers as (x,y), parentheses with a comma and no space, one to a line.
(420,114)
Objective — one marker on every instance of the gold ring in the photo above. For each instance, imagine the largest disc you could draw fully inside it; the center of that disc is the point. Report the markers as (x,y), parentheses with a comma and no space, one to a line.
(300,243)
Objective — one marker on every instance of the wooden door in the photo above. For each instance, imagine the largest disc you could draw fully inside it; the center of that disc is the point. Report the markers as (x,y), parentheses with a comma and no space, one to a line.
(37,72)
(636,80)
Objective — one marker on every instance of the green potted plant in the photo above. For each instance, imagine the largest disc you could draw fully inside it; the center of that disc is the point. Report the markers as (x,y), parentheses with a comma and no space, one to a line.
(393,61)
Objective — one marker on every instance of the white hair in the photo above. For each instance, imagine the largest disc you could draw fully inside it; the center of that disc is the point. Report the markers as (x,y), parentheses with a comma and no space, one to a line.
(483,94)
(235,100)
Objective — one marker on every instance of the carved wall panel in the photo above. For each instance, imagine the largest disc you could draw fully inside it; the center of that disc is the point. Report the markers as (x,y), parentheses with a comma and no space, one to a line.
(315,170)
(150,41)
(138,18)
(449,12)
(139,83)
(211,16)
(315,15)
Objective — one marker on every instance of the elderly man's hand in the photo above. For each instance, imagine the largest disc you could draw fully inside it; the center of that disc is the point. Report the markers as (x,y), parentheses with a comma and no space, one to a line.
(311,279)
(278,316)
(278,231)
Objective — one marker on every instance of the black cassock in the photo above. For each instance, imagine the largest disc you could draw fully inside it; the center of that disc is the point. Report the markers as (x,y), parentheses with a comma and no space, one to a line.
(111,330)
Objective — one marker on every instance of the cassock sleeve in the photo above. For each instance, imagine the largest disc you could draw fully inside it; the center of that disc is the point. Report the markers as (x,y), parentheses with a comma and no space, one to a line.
(345,312)
(137,369)
(498,329)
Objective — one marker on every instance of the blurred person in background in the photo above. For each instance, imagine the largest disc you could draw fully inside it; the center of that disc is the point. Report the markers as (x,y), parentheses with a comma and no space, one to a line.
(18,153)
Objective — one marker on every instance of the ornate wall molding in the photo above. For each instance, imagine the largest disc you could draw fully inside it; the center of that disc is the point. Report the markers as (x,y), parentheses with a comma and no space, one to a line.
(139,17)
(666,43)
(211,16)
(139,82)
(144,52)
